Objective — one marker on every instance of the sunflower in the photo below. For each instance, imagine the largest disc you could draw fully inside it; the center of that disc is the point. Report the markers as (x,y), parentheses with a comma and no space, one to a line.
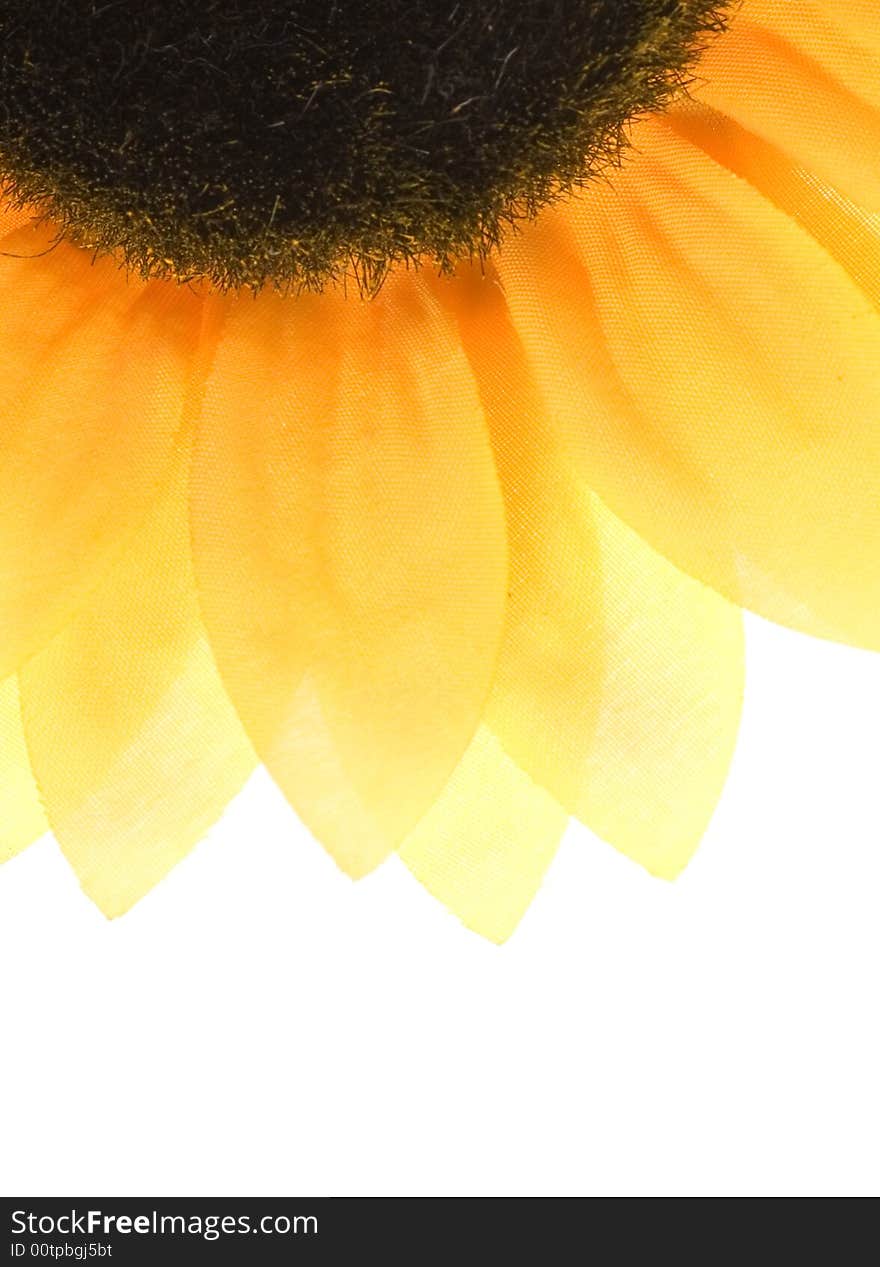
(410,396)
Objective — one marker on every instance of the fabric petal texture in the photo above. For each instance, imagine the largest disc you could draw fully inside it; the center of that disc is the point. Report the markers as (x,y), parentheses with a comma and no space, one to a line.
(805,76)
(752,461)
(466,557)
(619,680)
(350,552)
(133,741)
(484,846)
(95,371)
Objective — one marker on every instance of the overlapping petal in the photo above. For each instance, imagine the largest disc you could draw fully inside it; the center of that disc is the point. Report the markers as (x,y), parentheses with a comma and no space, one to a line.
(485,844)
(350,552)
(134,743)
(94,367)
(449,545)
(620,679)
(711,366)
(804,75)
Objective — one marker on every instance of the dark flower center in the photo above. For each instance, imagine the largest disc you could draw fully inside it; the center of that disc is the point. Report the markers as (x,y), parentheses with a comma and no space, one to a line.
(289,141)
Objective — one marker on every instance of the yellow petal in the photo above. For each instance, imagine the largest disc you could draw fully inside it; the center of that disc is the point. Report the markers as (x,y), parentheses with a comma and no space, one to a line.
(805,76)
(350,552)
(848,233)
(619,680)
(94,368)
(22,818)
(134,743)
(484,846)
(711,367)
(670,690)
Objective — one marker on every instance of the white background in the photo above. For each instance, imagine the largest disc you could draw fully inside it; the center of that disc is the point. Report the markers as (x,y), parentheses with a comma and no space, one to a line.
(261,1026)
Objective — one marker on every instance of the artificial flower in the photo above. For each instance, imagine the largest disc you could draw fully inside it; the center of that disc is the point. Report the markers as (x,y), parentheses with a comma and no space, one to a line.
(410,397)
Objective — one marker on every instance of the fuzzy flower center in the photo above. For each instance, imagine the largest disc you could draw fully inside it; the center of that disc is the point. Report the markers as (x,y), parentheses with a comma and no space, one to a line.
(292,141)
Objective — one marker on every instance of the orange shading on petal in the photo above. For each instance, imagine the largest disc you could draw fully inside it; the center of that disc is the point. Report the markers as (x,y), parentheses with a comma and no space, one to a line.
(619,680)
(805,76)
(350,552)
(711,367)
(94,369)
(12,217)
(134,743)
